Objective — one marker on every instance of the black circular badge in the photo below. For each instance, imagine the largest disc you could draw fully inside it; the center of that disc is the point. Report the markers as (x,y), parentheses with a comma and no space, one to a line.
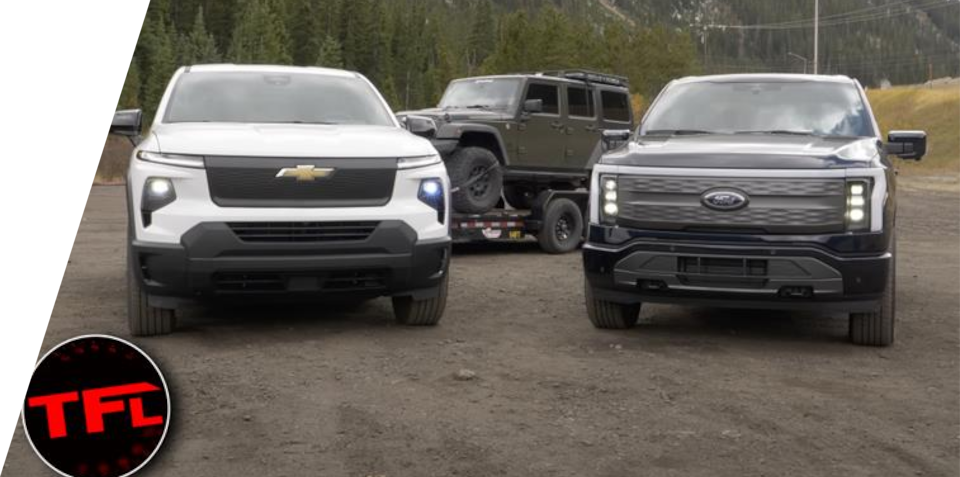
(97,406)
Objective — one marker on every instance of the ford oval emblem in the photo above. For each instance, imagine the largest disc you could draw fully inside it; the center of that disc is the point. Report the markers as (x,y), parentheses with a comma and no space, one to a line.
(724,199)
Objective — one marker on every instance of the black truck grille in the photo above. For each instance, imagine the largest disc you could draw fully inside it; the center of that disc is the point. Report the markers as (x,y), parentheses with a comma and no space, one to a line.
(254,182)
(267,282)
(775,205)
(302,232)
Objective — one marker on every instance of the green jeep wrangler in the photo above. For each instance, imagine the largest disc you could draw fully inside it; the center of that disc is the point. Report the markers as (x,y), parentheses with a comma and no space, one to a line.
(521,134)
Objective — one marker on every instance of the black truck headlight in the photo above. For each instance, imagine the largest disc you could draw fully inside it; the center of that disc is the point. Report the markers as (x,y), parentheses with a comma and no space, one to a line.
(608,199)
(858,205)
(158,192)
(431,193)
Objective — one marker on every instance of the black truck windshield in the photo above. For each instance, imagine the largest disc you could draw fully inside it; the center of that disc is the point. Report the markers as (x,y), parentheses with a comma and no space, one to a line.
(297,98)
(802,107)
(482,93)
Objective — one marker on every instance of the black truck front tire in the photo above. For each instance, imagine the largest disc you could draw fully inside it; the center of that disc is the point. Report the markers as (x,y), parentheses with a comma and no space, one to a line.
(608,315)
(410,312)
(143,319)
(877,328)
(480,166)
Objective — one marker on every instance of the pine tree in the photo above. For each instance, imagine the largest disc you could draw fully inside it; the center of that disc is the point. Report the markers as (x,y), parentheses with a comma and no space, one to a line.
(159,61)
(199,46)
(305,34)
(482,39)
(220,19)
(360,35)
(512,53)
(259,36)
(130,94)
(399,55)
(330,54)
(278,16)
(388,89)
(554,40)
(380,67)
(328,18)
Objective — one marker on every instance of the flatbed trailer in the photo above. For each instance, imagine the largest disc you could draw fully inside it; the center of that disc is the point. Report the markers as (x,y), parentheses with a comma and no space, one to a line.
(557,219)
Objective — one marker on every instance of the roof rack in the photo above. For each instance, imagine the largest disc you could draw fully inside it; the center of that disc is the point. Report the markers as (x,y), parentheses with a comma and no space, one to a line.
(589,77)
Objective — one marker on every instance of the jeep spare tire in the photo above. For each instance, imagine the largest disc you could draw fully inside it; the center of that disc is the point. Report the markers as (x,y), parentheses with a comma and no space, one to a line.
(477,180)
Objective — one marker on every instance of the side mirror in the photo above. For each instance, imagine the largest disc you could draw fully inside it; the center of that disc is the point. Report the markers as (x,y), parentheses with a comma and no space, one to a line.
(614,138)
(911,145)
(420,125)
(533,106)
(127,122)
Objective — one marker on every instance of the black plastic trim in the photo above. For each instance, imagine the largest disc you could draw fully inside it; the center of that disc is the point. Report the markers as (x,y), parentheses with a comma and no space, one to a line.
(173,272)
(864,274)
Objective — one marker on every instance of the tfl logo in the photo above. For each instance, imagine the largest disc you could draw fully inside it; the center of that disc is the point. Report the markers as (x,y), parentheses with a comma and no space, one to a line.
(96,406)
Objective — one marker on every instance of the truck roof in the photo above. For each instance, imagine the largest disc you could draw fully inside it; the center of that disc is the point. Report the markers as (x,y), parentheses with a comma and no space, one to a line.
(765,77)
(541,75)
(232,68)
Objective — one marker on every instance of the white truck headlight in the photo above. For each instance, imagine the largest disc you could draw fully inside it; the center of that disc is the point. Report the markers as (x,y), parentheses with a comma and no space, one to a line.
(179,160)
(608,199)
(431,193)
(858,205)
(158,192)
(419,161)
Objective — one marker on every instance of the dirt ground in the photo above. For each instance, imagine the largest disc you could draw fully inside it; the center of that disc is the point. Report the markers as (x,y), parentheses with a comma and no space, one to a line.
(292,391)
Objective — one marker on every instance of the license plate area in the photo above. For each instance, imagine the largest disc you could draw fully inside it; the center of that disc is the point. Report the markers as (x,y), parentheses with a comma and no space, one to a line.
(714,266)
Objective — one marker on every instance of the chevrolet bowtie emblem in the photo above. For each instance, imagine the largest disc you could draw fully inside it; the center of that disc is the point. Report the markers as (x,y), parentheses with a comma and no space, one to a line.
(306,173)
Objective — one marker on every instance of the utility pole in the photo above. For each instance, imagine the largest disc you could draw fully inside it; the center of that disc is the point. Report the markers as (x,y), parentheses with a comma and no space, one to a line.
(816,34)
(801,58)
(705,56)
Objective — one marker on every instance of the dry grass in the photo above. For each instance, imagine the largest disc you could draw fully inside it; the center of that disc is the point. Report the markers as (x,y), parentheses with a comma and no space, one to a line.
(113,161)
(936,111)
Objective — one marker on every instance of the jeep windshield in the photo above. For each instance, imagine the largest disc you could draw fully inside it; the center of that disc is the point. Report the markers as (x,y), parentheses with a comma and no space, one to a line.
(816,108)
(482,93)
(292,98)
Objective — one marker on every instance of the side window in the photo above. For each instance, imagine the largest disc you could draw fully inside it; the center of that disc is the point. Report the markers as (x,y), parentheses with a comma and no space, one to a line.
(547,93)
(580,102)
(616,106)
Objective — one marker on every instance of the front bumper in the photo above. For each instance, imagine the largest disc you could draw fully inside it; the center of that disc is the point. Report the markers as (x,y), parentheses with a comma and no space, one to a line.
(212,262)
(635,266)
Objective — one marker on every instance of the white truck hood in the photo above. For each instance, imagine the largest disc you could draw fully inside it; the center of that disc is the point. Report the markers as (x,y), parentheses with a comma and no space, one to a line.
(288,140)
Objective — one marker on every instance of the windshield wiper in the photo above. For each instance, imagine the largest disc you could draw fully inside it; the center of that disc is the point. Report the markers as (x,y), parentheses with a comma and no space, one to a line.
(477,106)
(677,132)
(790,132)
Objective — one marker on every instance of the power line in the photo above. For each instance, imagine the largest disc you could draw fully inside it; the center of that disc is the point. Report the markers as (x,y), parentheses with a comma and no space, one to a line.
(868,12)
(830,67)
(857,16)
(845,63)
(851,61)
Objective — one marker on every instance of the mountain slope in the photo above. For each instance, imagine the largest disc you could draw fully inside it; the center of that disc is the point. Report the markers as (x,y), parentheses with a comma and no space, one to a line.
(902,41)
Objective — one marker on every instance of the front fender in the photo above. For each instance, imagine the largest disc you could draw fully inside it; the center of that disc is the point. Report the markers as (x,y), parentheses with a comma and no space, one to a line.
(450,134)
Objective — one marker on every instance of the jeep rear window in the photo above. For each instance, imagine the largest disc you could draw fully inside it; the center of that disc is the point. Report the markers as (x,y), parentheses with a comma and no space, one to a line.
(299,98)
(616,106)
(579,102)
(801,107)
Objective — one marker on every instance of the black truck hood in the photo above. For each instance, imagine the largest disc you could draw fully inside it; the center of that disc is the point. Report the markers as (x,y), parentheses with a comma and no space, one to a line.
(748,151)
(454,115)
